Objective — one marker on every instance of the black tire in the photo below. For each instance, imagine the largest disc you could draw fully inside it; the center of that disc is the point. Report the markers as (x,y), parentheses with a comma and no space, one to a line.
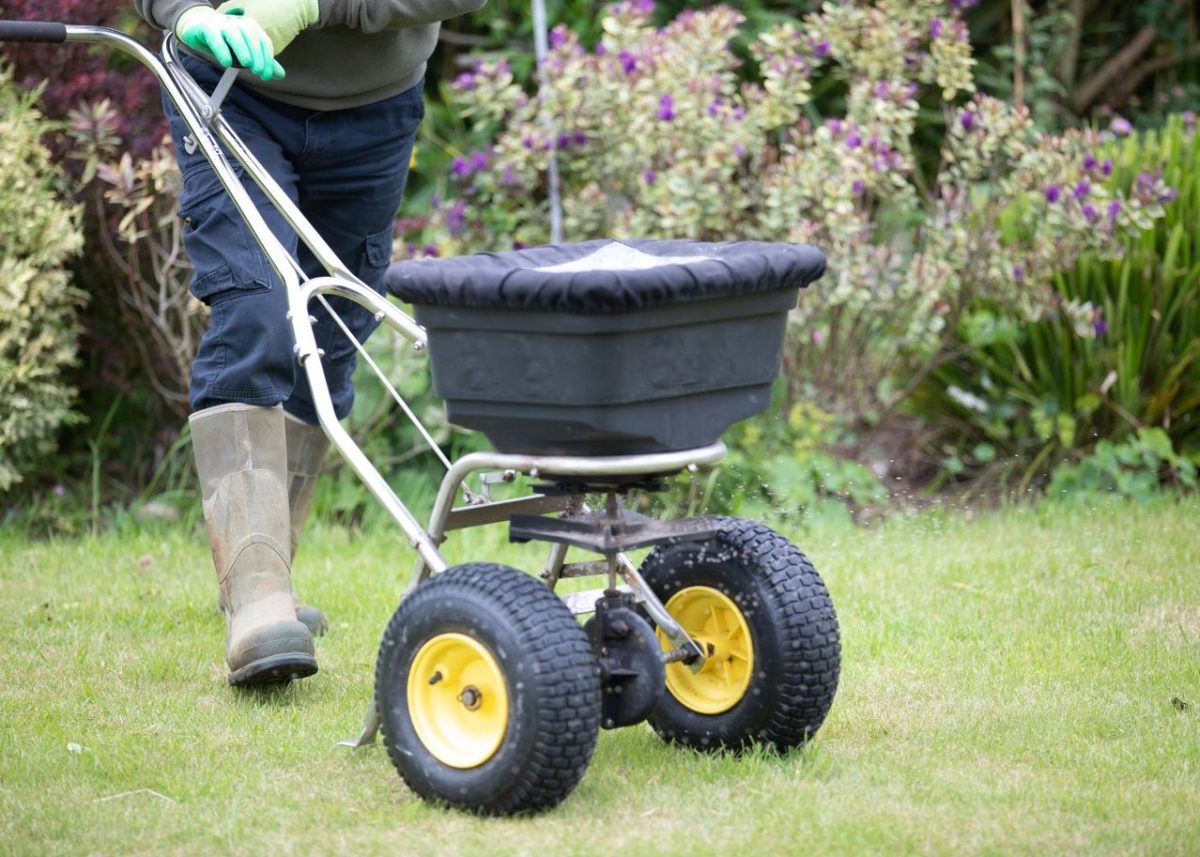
(549,671)
(792,625)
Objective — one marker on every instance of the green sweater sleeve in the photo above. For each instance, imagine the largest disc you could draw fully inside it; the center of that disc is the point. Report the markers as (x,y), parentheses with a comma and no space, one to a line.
(164,13)
(373,16)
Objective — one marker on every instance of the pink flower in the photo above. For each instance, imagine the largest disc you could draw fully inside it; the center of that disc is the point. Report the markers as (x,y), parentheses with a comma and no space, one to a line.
(1121,127)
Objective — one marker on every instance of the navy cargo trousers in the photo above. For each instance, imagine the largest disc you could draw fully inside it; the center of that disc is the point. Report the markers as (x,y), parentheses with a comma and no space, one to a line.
(346,170)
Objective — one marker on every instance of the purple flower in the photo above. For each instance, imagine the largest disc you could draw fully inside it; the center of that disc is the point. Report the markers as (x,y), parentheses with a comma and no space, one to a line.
(1100,326)
(527,142)
(883,90)
(558,36)
(466,80)
(460,167)
(628,61)
(456,217)
(967,119)
(649,177)
(1121,127)
(1082,189)
(1189,121)
(579,138)
(60,491)
(1089,211)
(1089,162)
(739,113)
(853,141)
(935,28)
(600,49)
(739,150)
(1114,209)
(1052,194)
(821,49)
(431,250)
(1106,168)
(666,108)
(479,161)
(1169,195)
(564,140)
(834,125)
(1018,273)
(858,187)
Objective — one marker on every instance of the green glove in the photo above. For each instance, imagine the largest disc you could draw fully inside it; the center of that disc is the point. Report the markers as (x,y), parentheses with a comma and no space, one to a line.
(219,34)
(281,19)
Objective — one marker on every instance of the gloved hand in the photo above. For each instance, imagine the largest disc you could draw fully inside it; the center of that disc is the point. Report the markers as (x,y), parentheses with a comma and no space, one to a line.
(281,19)
(218,33)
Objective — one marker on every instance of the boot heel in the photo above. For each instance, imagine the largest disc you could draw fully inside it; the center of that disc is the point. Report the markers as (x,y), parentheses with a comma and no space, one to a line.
(274,669)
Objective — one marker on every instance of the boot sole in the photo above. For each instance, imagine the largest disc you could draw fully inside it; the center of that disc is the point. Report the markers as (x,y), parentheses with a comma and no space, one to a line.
(274,669)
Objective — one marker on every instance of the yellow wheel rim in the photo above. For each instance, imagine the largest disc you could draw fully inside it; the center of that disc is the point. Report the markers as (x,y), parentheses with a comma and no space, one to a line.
(717,624)
(458,700)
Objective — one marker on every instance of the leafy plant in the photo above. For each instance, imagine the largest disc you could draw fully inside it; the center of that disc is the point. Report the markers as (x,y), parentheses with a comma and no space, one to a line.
(1033,392)
(138,200)
(39,233)
(67,76)
(1134,469)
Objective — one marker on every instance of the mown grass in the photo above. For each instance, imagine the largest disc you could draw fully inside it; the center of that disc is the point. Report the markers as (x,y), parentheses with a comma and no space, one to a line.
(1007,688)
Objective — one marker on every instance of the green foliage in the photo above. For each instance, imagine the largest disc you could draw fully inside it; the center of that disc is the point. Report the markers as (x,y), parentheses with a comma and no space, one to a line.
(1034,392)
(782,465)
(1134,469)
(38,308)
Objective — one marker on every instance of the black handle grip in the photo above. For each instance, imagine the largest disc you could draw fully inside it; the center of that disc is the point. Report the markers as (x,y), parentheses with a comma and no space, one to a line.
(32,31)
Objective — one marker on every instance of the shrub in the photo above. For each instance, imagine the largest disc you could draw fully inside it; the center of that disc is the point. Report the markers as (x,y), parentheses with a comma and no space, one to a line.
(70,75)
(1021,397)
(137,199)
(38,329)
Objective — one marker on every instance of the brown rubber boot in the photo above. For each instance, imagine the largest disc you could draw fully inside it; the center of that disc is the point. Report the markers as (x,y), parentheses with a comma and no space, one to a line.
(242,463)
(306,448)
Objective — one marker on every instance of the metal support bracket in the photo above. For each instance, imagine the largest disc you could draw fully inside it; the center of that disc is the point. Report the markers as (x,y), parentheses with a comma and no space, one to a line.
(370,729)
(606,534)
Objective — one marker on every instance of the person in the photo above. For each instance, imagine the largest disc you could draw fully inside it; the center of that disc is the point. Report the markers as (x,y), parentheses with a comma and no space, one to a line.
(329,102)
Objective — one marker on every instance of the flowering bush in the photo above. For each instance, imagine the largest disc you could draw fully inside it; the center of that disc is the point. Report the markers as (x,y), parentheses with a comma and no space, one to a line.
(1018,400)
(656,137)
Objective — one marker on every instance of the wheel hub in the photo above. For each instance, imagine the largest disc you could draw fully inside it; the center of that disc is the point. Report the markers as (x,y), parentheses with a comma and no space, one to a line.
(458,700)
(717,624)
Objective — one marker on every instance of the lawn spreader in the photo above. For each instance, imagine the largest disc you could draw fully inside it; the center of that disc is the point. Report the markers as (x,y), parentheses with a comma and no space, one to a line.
(597,370)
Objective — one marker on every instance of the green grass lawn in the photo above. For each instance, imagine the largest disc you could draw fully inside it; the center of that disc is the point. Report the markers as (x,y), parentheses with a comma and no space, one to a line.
(1026,681)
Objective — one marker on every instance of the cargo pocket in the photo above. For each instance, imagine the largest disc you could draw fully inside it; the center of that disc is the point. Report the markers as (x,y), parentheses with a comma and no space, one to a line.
(377,254)
(219,244)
